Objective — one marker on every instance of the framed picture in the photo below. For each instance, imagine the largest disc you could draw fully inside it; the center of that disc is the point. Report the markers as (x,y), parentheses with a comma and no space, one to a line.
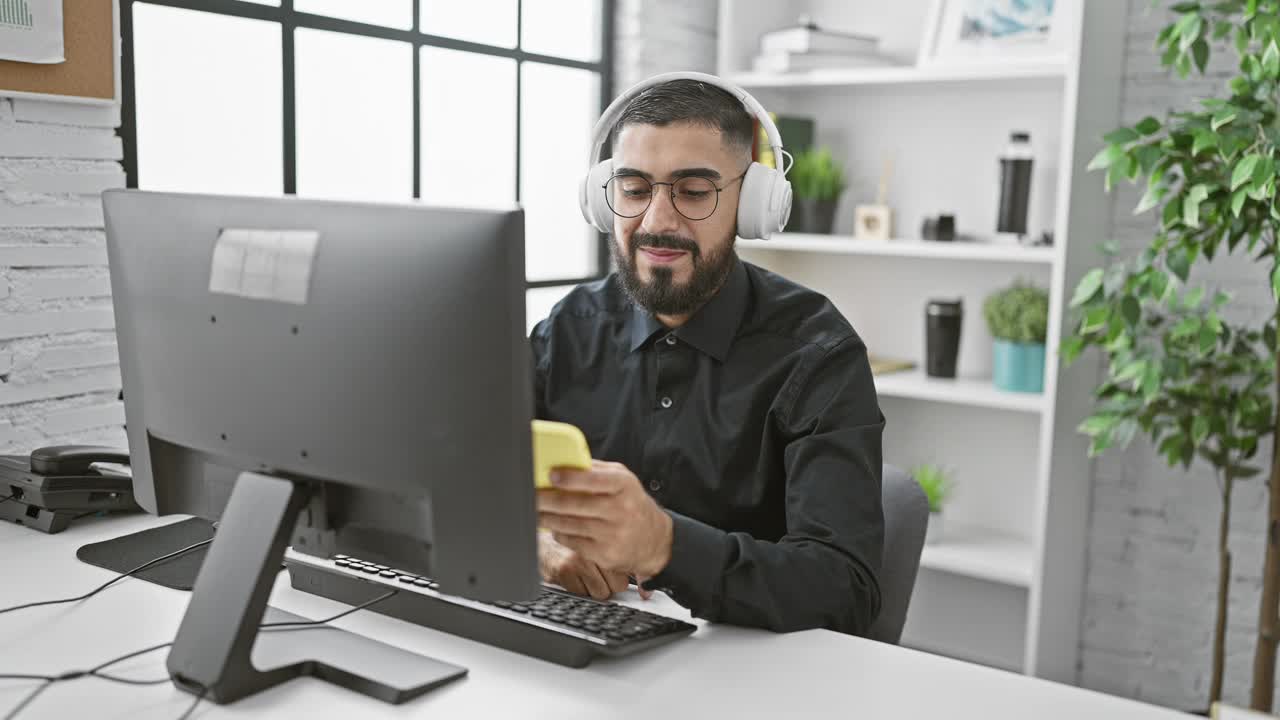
(990,31)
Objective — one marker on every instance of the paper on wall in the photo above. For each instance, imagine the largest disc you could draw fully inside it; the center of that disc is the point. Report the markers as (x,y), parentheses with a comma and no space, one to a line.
(31,31)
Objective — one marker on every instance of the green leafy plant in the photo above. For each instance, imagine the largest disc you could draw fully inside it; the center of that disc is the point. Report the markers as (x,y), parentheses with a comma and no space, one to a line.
(936,483)
(1019,313)
(816,175)
(1198,384)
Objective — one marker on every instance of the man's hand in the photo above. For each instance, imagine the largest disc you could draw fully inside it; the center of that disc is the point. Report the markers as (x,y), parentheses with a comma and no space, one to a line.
(569,570)
(605,516)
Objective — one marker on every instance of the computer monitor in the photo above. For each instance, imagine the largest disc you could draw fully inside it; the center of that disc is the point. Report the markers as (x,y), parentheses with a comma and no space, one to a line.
(340,377)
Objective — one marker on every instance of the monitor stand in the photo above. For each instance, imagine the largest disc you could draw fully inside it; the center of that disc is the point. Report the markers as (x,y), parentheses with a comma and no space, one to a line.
(219,638)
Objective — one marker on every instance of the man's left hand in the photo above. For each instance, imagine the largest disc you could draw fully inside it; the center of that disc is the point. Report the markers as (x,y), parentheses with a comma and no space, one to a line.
(605,516)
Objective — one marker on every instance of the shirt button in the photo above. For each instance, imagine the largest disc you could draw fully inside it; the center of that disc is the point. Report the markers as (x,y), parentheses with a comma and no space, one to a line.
(655,485)
(671,339)
(666,402)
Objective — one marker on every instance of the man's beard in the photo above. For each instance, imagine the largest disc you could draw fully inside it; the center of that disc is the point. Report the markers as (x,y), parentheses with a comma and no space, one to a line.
(661,295)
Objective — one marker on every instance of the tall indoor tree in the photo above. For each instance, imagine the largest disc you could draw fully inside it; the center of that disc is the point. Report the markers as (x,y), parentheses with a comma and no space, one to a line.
(1198,384)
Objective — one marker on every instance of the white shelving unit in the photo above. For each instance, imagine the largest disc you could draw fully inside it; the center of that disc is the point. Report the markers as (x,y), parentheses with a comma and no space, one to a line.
(981,553)
(1005,584)
(971,392)
(902,75)
(799,242)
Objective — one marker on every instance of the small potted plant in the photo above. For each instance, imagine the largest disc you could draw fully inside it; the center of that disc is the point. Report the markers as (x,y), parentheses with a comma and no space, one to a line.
(816,183)
(1018,318)
(936,483)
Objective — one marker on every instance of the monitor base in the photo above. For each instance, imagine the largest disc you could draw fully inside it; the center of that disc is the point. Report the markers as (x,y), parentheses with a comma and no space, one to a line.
(219,648)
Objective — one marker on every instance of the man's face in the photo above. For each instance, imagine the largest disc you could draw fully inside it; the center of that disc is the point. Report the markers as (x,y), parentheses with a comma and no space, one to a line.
(669,264)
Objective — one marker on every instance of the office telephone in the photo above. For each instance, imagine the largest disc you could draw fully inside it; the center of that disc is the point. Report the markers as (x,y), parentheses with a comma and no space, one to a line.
(52,486)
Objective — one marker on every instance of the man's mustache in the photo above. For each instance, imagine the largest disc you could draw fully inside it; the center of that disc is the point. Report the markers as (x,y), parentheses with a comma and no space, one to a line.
(664,242)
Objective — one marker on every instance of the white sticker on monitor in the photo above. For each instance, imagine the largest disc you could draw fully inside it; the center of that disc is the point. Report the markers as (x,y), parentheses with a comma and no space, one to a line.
(264,264)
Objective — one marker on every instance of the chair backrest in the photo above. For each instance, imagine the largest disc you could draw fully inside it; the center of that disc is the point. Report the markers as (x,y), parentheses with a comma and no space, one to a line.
(906,517)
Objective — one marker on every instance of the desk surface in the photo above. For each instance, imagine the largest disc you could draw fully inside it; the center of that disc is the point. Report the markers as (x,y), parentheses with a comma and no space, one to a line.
(720,671)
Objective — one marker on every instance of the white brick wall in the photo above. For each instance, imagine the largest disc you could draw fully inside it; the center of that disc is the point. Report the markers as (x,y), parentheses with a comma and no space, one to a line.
(1150,594)
(59,379)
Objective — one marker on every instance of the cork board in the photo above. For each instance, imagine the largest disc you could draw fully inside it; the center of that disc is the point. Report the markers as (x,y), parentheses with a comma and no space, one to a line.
(91,72)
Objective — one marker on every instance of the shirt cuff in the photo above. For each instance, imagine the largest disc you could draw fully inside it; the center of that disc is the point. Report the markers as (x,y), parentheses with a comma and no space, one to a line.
(693,575)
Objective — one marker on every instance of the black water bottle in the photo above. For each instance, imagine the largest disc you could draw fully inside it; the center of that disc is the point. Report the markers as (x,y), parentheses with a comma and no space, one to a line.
(942,337)
(1015,184)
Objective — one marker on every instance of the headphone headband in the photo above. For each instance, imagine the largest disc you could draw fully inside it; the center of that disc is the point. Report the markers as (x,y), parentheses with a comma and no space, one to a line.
(610,116)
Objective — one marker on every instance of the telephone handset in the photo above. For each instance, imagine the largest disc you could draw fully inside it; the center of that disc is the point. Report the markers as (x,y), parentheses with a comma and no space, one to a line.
(74,459)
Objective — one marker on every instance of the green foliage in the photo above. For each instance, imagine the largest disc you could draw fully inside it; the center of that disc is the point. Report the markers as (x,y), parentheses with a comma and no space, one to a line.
(1019,313)
(1197,384)
(936,483)
(816,175)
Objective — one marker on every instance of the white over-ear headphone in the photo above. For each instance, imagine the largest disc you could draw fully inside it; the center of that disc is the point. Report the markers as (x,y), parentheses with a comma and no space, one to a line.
(764,204)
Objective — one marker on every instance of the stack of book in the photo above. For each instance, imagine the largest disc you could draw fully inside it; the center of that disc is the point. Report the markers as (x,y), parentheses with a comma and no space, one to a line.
(808,47)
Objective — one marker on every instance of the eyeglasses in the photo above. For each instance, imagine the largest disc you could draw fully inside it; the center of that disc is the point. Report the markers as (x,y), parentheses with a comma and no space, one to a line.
(696,198)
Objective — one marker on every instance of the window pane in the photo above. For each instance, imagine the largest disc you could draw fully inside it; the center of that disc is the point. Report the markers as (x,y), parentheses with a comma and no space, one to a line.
(560,106)
(468,157)
(539,301)
(563,28)
(388,13)
(208,120)
(492,22)
(355,116)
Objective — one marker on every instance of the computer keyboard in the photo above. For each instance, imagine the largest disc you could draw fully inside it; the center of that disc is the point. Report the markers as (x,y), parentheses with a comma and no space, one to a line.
(558,626)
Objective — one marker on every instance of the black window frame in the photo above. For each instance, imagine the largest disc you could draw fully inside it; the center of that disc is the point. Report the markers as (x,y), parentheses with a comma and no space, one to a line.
(290,19)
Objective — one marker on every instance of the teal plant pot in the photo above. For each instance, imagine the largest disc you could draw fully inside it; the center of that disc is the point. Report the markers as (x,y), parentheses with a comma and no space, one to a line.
(1019,367)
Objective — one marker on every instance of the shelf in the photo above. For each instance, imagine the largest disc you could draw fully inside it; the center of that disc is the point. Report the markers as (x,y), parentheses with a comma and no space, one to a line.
(977,392)
(843,244)
(980,553)
(904,75)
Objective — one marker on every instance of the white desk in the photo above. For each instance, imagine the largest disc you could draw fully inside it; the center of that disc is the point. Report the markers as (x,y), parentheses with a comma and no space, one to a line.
(719,672)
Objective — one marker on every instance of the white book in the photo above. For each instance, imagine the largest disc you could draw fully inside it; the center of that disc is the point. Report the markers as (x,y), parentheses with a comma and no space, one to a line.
(782,62)
(808,39)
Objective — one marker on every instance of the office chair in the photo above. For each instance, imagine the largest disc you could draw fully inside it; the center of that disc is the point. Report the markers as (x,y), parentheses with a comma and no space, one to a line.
(906,516)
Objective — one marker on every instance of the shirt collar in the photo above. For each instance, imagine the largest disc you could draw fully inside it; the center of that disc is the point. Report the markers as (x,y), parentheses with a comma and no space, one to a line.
(712,328)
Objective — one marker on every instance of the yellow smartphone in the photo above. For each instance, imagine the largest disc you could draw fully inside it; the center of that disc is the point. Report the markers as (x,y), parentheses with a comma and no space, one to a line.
(557,444)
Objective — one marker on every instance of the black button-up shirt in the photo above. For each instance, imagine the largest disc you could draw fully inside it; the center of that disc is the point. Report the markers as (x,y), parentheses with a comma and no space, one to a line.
(755,425)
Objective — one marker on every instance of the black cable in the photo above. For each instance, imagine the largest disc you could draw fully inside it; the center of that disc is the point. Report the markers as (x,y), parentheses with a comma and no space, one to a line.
(29,699)
(187,714)
(110,582)
(305,623)
(7,498)
(97,670)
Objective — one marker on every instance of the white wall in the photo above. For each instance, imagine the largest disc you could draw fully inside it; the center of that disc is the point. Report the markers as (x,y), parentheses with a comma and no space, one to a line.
(59,380)
(655,36)
(1150,593)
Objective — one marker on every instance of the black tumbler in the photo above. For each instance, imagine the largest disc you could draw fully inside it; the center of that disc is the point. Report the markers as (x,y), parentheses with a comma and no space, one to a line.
(942,337)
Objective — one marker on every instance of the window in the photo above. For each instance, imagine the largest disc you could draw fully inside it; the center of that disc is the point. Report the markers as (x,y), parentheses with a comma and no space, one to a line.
(378,100)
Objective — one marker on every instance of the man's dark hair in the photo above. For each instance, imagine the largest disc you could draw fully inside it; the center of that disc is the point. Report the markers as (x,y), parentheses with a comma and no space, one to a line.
(690,101)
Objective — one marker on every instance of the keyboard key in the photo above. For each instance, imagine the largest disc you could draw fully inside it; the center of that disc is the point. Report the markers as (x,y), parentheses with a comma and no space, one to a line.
(387,574)
(406,578)
(341,557)
(520,608)
(369,569)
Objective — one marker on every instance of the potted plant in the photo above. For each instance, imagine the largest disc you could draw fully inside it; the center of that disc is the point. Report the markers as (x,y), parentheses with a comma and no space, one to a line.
(937,486)
(1018,318)
(816,183)
(1183,367)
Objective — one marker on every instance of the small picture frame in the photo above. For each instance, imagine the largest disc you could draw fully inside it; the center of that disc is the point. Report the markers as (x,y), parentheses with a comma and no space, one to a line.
(986,32)
(872,222)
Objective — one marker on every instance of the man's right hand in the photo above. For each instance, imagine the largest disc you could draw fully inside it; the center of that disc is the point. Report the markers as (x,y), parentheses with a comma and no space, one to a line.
(566,568)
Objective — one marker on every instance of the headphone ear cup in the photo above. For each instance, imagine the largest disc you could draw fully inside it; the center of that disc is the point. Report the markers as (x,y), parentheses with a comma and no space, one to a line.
(764,204)
(591,199)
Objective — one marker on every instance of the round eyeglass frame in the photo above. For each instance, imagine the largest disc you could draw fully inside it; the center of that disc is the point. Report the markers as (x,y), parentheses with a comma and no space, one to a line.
(719,189)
